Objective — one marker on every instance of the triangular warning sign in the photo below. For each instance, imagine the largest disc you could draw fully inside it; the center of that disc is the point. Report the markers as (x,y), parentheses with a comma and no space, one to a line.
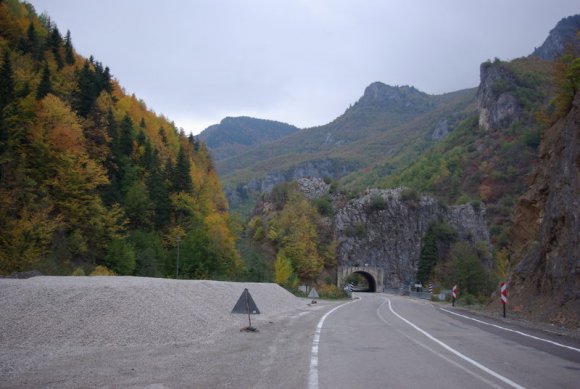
(246,304)
(313,294)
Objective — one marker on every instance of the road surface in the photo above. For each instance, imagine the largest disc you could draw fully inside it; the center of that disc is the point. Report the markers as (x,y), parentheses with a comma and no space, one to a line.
(386,341)
(377,341)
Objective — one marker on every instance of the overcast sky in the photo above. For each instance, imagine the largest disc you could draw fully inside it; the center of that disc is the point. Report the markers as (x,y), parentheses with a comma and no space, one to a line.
(297,61)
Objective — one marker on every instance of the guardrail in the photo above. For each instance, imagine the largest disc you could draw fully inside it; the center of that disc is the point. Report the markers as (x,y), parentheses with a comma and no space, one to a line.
(407,292)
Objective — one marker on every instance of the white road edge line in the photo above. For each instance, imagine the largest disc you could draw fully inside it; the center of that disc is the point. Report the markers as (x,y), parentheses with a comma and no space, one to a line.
(460,355)
(510,330)
(313,374)
(456,364)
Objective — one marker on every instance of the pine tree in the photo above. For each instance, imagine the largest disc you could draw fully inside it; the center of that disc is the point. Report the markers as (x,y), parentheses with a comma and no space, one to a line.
(69,55)
(6,82)
(45,86)
(163,136)
(159,194)
(182,178)
(87,91)
(428,256)
(126,137)
(54,43)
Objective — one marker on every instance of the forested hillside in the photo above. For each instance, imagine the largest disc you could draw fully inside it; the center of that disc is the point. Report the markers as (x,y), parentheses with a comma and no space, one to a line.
(481,161)
(236,135)
(383,121)
(90,178)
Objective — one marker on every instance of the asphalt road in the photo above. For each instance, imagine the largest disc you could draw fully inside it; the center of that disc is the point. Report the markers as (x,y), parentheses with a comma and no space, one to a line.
(366,343)
(386,341)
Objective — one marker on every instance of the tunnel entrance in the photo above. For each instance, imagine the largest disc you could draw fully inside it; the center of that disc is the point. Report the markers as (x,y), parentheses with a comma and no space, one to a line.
(364,278)
(362,282)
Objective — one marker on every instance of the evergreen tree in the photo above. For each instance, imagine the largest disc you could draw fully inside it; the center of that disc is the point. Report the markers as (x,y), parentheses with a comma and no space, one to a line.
(45,86)
(181,177)
(69,55)
(428,256)
(54,43)
(87,92)
(6,82)
(121,257)
(163,136)
(126,137)
(107,84)
(159,194)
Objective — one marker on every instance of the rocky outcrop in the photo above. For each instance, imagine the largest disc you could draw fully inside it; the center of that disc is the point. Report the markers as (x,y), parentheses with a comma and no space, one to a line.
(497,106)
(313,188)
(561,36)
(545,236)
(384,229)
(381,96)
(442,129)
(325,168)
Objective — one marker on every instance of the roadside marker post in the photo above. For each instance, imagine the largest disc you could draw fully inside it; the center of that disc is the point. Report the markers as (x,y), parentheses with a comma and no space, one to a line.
(503,290)
(313,295)
(453,295)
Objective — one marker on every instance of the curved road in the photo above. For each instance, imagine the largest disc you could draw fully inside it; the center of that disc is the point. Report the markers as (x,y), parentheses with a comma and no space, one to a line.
(377,341)
(385,341)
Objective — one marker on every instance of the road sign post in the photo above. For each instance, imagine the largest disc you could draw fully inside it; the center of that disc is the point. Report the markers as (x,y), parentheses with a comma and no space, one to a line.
(453,294)
(247,305)
(503,290)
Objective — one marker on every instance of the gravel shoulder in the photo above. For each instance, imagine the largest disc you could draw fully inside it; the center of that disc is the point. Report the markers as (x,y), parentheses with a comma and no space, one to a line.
(88,323)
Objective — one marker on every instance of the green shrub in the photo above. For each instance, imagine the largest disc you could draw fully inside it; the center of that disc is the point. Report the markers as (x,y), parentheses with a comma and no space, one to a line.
(78,272)
(102,271)
(378,203)
(324,206)
(330,291)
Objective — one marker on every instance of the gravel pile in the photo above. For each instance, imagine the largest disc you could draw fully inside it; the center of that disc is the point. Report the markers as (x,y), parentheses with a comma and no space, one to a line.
(119,311)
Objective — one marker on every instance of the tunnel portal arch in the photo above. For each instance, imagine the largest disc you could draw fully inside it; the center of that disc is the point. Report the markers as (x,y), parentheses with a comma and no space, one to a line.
(373,275)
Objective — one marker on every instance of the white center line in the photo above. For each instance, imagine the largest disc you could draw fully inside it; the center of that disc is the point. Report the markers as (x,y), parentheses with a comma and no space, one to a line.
(510,330)
(460,355)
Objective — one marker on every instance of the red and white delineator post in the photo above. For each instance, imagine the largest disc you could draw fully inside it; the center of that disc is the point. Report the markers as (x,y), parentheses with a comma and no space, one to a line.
(453,294)
(503,290)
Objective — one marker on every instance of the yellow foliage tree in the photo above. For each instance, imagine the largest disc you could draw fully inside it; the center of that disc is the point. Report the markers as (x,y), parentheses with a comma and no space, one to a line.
(283,272)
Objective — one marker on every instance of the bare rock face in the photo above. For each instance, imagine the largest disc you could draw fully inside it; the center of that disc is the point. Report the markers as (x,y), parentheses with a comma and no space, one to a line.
(561,36)
(382,229)
(545,280)
(498,108)
(313,188)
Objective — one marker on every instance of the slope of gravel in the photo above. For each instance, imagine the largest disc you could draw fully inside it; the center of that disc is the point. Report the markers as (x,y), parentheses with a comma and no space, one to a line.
(119,311)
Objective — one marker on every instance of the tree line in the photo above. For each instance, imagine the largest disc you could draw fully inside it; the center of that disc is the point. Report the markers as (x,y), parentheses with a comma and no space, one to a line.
(89,176)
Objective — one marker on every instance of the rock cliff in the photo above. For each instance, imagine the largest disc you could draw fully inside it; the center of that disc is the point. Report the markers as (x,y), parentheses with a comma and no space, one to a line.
(545,236)
(324,168)
(497,106)
(560,36)
(382,228)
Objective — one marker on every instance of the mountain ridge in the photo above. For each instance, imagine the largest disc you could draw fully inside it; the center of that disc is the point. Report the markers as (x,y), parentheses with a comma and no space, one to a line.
(236,135)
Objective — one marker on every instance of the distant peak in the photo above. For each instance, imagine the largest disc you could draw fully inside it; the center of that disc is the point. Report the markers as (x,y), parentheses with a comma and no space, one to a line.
(379,94)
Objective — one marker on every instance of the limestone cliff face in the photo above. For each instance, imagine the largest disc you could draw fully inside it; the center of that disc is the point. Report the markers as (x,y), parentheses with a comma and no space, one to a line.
(381,229)
(497,106)
(545,280)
